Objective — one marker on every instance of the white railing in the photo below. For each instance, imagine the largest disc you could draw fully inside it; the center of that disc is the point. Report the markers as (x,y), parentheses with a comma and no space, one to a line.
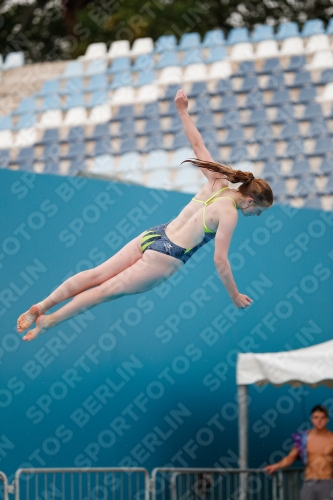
(290,482)
(5,486)
(102,483)
(129,483)
(217,484)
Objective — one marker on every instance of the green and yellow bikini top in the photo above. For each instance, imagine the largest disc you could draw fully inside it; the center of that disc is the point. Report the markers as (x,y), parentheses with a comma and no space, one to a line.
(209,202)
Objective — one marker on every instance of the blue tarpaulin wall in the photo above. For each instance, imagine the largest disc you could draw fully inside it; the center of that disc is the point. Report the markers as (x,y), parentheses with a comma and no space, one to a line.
(149,380)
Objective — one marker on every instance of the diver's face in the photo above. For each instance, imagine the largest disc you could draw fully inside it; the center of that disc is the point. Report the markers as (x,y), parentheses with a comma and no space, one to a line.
(250,209)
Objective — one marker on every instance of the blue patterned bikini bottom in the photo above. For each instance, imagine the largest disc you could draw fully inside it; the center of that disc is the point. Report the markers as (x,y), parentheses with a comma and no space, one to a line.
(156,239)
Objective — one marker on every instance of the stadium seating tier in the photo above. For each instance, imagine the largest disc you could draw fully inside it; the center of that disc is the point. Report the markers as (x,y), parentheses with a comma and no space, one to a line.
(263,97)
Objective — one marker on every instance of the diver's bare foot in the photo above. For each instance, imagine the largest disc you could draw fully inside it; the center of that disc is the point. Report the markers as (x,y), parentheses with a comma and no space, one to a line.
(42,324)
(29,317)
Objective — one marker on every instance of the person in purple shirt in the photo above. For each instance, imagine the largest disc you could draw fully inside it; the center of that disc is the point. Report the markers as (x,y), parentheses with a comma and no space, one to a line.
(315,448)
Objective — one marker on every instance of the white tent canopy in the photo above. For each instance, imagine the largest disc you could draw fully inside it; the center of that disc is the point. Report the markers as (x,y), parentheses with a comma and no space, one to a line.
(311,365)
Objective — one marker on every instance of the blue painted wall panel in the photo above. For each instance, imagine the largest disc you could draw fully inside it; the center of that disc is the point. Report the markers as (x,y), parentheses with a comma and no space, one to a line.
(149,379)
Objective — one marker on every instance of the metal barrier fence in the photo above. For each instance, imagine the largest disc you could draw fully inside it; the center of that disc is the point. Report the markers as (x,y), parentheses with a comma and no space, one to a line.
(4,486)
(113,483)
(213,484)
(290,483)
(82,484)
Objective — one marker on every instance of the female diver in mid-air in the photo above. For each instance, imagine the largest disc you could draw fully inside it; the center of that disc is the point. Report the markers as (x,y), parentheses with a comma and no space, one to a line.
(136,268)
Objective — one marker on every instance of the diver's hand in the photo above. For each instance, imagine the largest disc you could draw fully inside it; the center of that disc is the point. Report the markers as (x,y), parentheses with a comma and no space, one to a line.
(242,301)
(181,100)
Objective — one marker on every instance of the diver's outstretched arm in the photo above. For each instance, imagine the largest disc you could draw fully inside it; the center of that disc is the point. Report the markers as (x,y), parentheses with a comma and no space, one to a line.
(193,134)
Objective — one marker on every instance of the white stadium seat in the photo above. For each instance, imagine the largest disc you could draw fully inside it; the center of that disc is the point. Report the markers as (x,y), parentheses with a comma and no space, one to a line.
(267,49)
(242,52)
(156,159)
(180,155)
(327,94)
(142,46)
(123,95)
(292,46)
(14,60)
(76,116)
(51,119)
(148,93)
(130,162)
(320,60)
(100,114)
(160,179)
(171,74)
(195,73)
(317,43)
(220,70)
(103,165)
(121,48)
(26,137)
(187,174)
(6,139)
(95,51)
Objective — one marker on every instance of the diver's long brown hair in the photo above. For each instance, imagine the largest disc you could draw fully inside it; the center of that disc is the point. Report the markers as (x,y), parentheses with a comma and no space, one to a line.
(257,189)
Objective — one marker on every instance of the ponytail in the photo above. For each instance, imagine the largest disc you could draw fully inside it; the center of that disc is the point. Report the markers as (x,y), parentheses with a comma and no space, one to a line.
(257,189)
